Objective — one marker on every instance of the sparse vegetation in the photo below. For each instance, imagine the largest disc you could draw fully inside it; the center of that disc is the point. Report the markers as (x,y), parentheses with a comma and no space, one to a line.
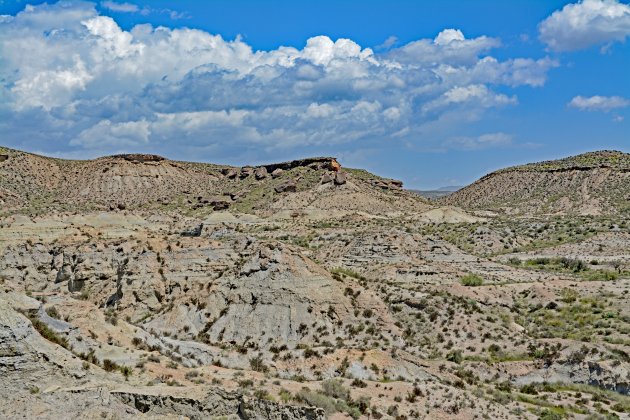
(344,311)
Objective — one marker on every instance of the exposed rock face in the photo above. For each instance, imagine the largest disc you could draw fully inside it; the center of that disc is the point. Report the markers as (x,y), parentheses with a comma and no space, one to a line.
(21,350)
(397,184)
(216,403)
(28,361)
(601,375)
(327,163)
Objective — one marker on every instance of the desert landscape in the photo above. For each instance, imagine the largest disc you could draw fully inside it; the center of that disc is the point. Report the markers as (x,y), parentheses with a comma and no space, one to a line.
(135,286)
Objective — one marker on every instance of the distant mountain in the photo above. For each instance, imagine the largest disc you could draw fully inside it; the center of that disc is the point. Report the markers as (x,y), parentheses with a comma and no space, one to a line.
(592,183)
(437,193)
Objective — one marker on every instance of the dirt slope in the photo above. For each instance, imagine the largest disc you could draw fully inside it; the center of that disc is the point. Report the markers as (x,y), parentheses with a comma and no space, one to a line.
(595,183)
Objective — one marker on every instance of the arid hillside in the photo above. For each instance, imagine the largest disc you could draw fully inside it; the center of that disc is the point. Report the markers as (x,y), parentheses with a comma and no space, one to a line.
(596,183)
(138,287)
(37,184)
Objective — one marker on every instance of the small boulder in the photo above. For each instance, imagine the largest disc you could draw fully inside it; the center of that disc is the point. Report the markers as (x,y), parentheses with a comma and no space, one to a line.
(287,186)
(340,178)
(397,184)
(277,173)
(3,158)
(260,173)
(246,171)
(229,173)
(327,178)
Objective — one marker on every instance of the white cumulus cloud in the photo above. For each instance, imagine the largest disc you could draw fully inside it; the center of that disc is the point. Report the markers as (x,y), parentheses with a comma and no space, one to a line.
(88,84)
(598,103)
(125,134)
(484,141)
(586,23)
(120,7)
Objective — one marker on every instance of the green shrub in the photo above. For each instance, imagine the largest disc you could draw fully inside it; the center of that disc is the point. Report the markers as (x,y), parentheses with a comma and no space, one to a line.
(109,365)
(126,371)
(550,415)
(245,383)
(455,356)
(262,394)
(334,388)
(257,364)
(347,272)
(572,264)
(530,389)
(514,261)
(568,295)
(602,275)
(53,313)
(328,404)
(471,280)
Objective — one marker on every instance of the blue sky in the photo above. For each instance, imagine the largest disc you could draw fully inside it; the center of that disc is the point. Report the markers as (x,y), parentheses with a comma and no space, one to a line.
(431,92)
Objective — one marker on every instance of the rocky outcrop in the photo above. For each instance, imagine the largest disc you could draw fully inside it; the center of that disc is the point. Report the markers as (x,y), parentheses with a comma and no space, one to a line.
(216,403)
(230,173)
(217,203)
(139,158)
(260,173)
(327,163)
(246,171)
(602,375)
(287,186)
(387,184)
